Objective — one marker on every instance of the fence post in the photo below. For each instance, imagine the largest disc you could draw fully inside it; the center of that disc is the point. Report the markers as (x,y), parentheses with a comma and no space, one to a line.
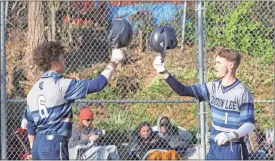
(3,83)
(274,78)
(201,76)
(183,24)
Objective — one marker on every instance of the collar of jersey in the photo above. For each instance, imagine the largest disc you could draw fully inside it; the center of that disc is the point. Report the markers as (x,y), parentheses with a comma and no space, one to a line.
(54,75)
(227,88)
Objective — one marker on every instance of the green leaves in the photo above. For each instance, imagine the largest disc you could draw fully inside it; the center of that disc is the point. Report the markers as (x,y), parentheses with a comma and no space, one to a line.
(237,28)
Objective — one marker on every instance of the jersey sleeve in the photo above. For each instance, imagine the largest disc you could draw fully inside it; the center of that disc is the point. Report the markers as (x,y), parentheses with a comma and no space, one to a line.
(199,91)
(247,109)
(73,89)
(97,84)
(31,126)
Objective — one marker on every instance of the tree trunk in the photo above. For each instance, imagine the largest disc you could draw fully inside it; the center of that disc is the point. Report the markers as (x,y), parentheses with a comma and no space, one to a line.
(35,37)
(53,6)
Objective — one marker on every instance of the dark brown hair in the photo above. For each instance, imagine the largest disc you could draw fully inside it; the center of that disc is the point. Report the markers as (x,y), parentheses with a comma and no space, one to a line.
(231,55)
(142,124)
(46,53)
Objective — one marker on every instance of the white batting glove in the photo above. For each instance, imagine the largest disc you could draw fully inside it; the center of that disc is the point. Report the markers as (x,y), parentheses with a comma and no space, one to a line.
(159,64)
(117,55)
(224,137)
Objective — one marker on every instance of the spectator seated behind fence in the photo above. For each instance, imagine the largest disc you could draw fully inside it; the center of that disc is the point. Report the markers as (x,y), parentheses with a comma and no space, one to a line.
(84,142)
(143,140)
(19,147)
(177,138)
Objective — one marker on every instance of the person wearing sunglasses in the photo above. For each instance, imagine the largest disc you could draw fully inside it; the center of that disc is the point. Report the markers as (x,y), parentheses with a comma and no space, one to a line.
(85,140)
(178,138)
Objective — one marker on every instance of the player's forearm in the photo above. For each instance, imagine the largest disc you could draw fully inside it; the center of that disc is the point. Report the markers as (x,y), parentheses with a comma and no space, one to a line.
(109,71)
(179,88)
(101,81)
(31,139)
(97,84)
(245,129)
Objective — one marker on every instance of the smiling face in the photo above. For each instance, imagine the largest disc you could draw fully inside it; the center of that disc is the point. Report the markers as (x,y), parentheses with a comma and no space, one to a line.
(145,132)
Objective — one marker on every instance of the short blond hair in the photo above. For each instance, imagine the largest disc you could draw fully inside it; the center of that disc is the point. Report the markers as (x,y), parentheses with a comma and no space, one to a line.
(231,55)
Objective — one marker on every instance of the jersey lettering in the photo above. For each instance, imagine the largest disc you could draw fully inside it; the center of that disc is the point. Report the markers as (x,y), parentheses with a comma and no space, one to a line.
(43,112)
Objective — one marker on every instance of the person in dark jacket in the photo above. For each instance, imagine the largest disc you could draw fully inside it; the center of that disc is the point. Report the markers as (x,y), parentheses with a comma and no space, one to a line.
(142,140)
(177,137)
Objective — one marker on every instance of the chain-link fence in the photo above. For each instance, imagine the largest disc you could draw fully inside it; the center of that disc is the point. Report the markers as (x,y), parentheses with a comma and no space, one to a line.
(136,94)
(247,26)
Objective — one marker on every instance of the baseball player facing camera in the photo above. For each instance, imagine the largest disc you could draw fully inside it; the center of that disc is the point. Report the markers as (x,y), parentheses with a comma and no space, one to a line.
(49,111)
(230,101)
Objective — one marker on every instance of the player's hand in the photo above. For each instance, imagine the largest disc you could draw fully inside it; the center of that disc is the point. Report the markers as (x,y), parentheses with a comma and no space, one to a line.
(93,137)
(29,157)
(159,64)
(117,55)
(224,137)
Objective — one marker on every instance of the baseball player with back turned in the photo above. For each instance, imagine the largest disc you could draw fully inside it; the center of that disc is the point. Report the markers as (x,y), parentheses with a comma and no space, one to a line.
(230,101)
(49,112)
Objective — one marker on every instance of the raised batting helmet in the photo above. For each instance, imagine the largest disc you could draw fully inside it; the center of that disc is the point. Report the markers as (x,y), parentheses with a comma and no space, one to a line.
(163,38)
(120,33)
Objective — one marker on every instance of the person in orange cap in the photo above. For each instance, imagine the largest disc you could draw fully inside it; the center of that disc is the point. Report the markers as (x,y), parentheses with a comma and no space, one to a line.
(84,133)
(85,118)
(85,143)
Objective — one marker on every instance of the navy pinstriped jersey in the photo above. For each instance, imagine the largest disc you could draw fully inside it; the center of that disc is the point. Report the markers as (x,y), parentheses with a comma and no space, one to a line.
(49,104)
(230,106)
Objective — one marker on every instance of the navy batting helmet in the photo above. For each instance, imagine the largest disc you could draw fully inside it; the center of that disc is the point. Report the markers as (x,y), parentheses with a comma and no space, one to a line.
(163,38)
(120,33)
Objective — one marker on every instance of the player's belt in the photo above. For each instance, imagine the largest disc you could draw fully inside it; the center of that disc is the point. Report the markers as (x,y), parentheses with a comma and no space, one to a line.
(51,137)
(237,140)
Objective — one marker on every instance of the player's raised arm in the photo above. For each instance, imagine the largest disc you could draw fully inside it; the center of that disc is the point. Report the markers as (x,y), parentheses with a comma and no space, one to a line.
(98,83)
(75,89)
(120,36)
(161,39)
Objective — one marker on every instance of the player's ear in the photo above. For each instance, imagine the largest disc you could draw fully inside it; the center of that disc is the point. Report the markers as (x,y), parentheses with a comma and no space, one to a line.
(231,65)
